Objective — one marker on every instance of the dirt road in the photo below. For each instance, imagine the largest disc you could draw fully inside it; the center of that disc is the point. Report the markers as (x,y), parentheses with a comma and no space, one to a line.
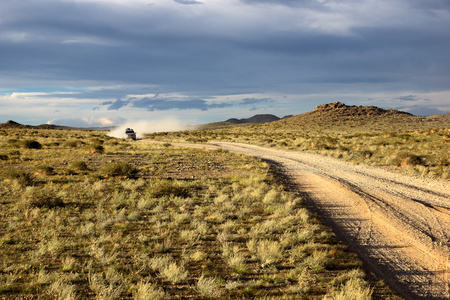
(399,225)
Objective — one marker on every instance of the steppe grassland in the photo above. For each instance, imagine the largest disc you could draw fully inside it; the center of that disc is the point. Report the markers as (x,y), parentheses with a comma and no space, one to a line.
(87,216)
(422,152)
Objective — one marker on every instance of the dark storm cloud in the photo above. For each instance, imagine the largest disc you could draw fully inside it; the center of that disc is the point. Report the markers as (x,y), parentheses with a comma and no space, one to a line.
(109,50)
(408,98)
(187,2)
(100,42)
(431,4)
(118,104)
(251,101)
(321,4)
(118,92)
(290,3)
(158,103)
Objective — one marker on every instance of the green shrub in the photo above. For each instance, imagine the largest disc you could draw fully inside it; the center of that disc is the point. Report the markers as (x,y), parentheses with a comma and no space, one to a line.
(14,153)
(96,142)
(80,165)
(14,143)
(72,143)
(22,177)
(31,144)
(119,169)
(408,159)
(366,153)
(41,197)
(96,149)
(168,188)
(46,170)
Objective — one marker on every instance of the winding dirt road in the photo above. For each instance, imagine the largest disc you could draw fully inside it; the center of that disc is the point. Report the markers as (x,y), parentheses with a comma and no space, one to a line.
(399,225)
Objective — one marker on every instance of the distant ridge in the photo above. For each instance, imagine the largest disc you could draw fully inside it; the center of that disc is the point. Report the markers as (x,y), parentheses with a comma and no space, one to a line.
(234,122)
(443,117)
(256,119)
(332,116)
(13,124)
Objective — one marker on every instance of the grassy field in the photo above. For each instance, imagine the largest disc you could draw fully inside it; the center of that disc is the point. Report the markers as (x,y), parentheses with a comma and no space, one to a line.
(369,135)
(86,216)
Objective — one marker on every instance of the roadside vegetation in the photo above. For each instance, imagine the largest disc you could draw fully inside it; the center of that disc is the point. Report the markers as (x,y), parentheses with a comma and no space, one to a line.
(368,135)
(86,216)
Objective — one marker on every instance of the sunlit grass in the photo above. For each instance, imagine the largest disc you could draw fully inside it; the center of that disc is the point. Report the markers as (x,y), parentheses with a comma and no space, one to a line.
(406,144)
(186,223)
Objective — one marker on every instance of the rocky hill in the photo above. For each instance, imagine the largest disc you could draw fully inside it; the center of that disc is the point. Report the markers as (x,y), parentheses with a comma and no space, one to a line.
(339,108)
(12,124)
(339,116)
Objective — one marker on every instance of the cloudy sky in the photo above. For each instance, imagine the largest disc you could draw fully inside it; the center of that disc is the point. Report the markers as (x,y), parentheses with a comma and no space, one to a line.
(102,62)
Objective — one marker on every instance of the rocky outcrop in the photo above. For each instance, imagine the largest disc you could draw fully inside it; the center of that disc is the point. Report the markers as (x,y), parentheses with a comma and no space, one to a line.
(330,106)
(343,109)
(11,124)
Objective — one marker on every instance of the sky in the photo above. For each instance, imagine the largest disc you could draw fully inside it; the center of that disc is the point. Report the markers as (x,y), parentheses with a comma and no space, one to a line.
(108,62)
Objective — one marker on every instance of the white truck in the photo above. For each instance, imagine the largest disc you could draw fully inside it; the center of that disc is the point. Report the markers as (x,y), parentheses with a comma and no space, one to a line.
(130,134)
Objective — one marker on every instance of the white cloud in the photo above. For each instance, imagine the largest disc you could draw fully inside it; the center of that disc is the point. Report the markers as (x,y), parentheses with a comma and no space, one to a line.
(85,122)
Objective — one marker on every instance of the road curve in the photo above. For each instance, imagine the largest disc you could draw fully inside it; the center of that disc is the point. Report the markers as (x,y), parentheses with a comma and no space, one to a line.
(399,225)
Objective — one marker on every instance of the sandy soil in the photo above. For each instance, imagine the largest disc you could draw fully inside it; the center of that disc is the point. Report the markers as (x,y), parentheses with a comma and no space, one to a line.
(399,225)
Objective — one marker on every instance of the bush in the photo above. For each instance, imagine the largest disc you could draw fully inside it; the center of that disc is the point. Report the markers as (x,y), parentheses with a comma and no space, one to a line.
(366,154)
(14,143)
(355,288)
(269,252)
(208,287)
(96,149)
(80,165)
(145,291)
(72,144)
(174,273)
(407,159)
(14,153)
(22,177)
(168,188)
(45,170)
(31,144)
(119,169)
(42,197)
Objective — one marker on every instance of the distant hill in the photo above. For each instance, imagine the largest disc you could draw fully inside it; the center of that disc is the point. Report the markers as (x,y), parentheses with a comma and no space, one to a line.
(337,115)
(13,124)
(442,117)
(234,122)
(256,119)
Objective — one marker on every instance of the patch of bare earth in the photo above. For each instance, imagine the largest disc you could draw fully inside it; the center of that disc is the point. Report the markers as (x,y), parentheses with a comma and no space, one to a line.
(399,225)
